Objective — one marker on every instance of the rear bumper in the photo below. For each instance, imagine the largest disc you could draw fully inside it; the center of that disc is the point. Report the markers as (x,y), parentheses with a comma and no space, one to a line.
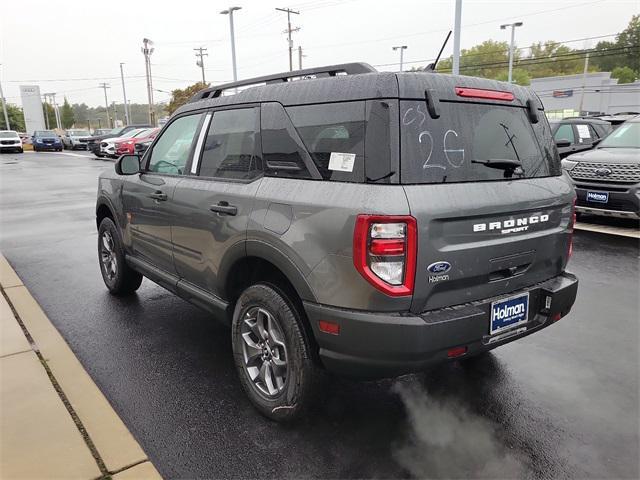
(377,345)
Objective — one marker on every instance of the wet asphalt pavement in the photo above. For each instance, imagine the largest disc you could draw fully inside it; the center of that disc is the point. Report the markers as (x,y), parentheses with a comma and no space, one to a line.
(562,403)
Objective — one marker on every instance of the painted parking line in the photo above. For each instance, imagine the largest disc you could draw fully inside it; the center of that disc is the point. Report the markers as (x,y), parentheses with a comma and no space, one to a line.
(609,230)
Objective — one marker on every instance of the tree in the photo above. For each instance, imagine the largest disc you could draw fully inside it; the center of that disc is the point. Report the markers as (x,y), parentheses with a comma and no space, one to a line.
(520,77)
(629,40)
(180,97)
(624,75)
(16,119)
(66,115)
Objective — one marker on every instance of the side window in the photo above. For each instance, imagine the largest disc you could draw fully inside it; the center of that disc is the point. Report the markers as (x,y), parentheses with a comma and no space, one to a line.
(230,150)
(282,150)
(334,136)
(172,150)
(565,132)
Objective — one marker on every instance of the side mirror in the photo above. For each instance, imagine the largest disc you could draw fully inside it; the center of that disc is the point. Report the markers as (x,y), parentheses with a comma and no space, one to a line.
(128,165)
(562,143)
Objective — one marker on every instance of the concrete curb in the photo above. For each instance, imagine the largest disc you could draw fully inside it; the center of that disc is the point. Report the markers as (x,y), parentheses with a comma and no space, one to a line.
(28,332)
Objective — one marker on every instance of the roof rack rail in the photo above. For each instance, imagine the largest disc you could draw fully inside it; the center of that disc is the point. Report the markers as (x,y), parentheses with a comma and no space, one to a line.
(328,71)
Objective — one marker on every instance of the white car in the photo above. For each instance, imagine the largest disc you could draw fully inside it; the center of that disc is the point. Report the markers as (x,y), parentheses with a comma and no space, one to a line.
(10,141)
(108,145)
(76,139)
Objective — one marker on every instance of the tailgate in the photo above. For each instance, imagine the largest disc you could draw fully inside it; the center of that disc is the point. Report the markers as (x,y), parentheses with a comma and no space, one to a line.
(482,239)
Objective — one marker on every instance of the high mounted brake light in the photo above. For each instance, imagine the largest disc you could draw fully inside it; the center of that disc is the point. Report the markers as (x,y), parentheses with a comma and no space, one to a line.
(484,94)
(385,251)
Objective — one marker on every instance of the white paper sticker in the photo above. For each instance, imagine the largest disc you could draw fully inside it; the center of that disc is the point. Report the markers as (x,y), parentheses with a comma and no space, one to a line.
(342,162)
(583,131)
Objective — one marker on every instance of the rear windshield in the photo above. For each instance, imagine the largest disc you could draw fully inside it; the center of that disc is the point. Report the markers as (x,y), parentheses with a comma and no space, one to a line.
(625,136)
(472,142)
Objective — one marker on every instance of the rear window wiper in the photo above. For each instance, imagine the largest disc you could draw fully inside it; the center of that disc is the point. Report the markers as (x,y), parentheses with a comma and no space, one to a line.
(509,166)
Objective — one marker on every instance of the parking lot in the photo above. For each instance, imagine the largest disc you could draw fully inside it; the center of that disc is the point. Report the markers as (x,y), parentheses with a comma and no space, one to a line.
(559,404)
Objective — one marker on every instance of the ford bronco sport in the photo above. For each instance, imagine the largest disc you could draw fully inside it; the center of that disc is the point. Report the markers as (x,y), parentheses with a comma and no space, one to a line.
(342,219)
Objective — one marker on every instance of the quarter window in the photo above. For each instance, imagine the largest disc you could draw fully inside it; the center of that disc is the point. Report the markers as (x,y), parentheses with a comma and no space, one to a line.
(334,136)
(172,150)
(230,150)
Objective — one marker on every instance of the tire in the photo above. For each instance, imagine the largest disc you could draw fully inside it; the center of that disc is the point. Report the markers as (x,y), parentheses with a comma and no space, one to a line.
(119,278)
(21,150)
(268,337)
(35,149)
(59,149)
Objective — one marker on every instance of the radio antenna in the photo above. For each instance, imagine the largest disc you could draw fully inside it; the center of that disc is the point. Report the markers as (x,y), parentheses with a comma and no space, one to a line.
(432,66)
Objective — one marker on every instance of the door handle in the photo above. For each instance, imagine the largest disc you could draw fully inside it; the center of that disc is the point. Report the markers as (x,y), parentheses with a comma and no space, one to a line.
(224,208)
(158,195)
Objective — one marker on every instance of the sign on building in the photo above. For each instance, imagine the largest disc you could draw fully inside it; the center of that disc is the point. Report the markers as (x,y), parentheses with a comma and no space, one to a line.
(562,93)
(32,108)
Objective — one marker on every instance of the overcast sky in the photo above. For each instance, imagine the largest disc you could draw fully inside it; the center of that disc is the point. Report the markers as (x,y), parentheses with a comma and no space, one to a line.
(70,46)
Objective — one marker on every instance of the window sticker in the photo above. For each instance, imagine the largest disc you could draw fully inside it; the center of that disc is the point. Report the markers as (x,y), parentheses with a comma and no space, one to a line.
(342,162)
(583,131)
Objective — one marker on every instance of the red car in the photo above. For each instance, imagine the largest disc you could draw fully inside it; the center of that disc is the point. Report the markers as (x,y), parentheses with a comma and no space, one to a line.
(127,145)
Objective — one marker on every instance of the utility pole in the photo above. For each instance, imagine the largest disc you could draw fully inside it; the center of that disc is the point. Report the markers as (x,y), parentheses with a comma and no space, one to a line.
(56,112)
(46,111)
(456,38)
(511,45)
(4,108)
(289,31)
(104,86)
(229,12)
(147,50)
(115,113)
(200,62)
(584,81)
(124,94)
(402,48)
(300,55)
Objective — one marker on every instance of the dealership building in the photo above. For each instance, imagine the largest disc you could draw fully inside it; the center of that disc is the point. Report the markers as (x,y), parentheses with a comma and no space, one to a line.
(594,93)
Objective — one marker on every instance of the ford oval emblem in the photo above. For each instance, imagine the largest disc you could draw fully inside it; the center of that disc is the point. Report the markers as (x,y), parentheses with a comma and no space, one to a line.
(603,172)
(439,267)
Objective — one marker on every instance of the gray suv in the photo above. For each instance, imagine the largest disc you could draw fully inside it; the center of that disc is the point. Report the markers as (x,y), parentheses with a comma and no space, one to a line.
(345,220)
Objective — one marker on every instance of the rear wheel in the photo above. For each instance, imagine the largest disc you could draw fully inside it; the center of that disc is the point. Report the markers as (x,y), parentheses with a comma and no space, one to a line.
(119,278)
(272,356)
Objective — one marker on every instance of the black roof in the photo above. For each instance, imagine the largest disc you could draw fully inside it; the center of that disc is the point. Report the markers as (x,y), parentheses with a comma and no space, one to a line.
(347,82)
(594,120)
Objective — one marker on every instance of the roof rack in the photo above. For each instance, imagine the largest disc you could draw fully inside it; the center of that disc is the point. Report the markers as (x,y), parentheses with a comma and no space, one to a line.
(329,71)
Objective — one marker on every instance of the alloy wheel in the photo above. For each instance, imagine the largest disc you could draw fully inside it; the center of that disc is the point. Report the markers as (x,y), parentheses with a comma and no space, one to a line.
(108,255)
(264,351)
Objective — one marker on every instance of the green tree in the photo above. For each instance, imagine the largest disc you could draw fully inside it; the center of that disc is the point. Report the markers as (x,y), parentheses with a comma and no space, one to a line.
(66,115)
(624,75)
(180,97)
(488,59)
(520,76)
(629,40)
(16,119)
(549,59)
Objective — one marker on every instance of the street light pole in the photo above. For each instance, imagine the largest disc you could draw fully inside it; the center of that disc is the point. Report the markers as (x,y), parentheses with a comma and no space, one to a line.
(4,107)
(229,12)
(402,48)
(124,94)
(513,34)
(456,38)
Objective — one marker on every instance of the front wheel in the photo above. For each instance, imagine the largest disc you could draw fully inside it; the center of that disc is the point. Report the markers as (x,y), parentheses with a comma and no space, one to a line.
(271,353)
(119,278)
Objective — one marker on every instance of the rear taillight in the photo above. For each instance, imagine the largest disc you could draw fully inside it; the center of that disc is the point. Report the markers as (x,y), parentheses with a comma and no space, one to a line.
(484,94)
(572,224)
(385,250)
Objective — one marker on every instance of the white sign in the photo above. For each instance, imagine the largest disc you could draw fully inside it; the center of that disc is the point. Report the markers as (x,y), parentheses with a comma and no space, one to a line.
(583,131)
(32,108)
(342,162)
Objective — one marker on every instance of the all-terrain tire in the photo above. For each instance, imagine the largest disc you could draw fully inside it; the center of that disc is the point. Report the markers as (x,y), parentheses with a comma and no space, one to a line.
(119,278)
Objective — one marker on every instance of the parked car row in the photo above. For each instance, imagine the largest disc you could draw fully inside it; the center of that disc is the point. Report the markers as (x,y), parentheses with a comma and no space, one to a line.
(94,143)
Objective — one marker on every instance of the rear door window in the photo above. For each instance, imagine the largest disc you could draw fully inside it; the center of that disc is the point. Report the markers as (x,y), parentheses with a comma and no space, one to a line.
(231,147)
(468,141)
(333,135)
(565,132)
